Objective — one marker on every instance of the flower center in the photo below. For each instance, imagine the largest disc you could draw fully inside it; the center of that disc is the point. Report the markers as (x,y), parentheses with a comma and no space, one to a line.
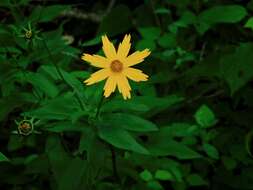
(25,128)
(28,34)
(116,66)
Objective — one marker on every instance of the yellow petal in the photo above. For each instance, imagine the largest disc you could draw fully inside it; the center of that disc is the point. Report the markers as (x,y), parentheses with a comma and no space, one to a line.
(98,76)
(108,48)
(110,86)
(124,47)
(96,60)
(135,74)
(124,87)
(137,57)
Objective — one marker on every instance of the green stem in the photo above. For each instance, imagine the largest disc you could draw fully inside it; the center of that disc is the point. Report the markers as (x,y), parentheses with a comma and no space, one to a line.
(61,75)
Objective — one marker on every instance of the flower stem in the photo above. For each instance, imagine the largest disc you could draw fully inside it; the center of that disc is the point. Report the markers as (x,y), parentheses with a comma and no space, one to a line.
(61,75)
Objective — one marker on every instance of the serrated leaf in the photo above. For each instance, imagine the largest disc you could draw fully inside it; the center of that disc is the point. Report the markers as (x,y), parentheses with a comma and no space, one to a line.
(205,116)
(120,138)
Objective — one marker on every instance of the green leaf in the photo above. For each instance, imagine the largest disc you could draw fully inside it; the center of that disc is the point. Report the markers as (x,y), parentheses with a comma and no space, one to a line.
(43,83)
(59,108)
(150,33)
(234,70)
(129,122)
(249,23)
(47,13)
(168,147)
(145,43)
(163,175)
(205,116)
(146,175)
(211,151)
(93,41)
(229,162)
(220,14)
(120,138)
(196,180)
(168,40)
(3,158)
(121,105)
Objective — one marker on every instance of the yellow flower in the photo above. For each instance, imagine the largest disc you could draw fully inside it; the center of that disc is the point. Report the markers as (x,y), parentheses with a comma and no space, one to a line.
(116,67)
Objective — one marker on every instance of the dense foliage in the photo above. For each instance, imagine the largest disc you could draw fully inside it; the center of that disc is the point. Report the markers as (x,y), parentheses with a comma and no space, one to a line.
(187,127)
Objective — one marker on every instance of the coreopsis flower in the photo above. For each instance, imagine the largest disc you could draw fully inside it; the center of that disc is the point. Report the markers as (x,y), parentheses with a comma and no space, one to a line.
(116,67)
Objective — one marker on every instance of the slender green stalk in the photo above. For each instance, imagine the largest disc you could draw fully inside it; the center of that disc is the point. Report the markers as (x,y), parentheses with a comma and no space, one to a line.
(61,75)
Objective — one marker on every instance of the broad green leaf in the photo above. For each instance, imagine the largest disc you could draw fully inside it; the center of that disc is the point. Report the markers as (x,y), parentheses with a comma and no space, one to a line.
(150,33)
(234,70)
(146,175)
(196,180)
(163,175)
(220,14)
(3,158)
(205,116)
(129,122)
(120,138)
(211,151)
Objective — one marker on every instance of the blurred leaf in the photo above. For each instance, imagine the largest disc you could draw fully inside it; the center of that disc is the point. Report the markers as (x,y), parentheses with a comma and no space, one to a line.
(48,13)
(112,26)
(163,175)
(145,43)
(196,180)
(146,175)
(3,158)
(229,162)
(211,151)
(205,116)
(233,71)
(249,23)
(120,138)
(220,14)
(150,33)
(169,147)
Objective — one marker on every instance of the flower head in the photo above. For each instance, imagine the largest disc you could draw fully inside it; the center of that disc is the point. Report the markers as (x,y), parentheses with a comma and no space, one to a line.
(116,67)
